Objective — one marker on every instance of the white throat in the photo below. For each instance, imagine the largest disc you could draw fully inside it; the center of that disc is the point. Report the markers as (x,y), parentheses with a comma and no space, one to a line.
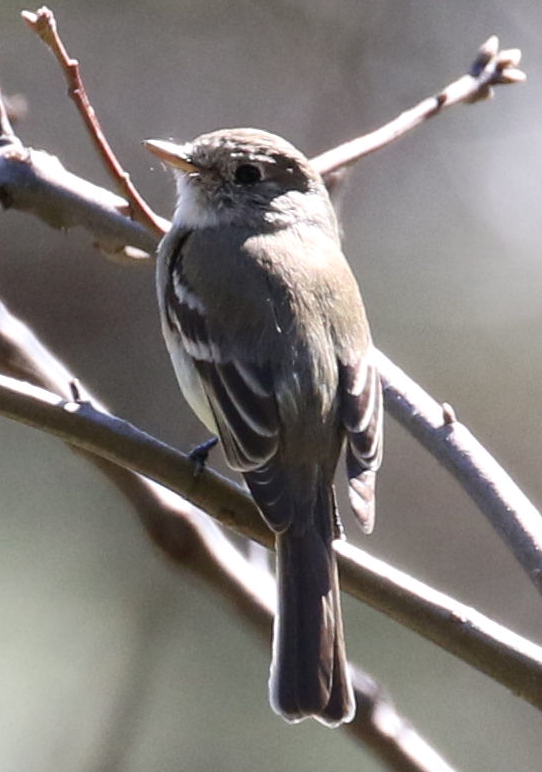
(190,213)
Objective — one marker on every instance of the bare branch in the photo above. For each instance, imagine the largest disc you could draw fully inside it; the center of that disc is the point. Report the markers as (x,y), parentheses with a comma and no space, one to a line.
(184,533)
(491,648)
(35,182)
(512,515)
(192,540)
(43,23)
(513,661)
(64,208)
(490,68)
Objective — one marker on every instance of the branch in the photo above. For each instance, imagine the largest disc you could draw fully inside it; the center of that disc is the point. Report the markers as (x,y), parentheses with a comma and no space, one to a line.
(512,515)
(36,182)
(191,540)
(63,208)
(491,648)
(43,23)
(180,532)
(490,68)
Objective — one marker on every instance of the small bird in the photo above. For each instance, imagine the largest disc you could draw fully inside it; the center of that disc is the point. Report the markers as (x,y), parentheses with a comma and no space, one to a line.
(267,333)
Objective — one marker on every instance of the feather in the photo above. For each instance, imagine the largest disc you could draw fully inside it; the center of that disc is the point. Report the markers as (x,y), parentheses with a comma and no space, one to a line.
(362,415)
(240,393)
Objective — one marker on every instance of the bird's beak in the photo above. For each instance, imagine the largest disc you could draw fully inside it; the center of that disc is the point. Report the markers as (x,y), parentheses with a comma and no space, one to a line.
(171,154)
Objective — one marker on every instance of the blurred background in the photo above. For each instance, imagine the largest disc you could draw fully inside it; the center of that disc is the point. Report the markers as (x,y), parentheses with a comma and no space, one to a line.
(109,658)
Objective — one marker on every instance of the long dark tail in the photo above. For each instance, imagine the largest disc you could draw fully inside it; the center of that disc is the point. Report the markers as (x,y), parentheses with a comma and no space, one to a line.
(309,674)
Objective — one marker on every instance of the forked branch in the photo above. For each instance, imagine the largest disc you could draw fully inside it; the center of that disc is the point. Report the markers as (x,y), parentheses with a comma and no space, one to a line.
(43,23)
(490,68)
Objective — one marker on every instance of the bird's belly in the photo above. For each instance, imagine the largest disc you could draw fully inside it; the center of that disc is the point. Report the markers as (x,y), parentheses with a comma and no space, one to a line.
(189,381)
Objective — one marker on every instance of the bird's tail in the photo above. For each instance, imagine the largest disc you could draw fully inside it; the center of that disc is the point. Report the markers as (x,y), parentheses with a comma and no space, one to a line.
(309,675)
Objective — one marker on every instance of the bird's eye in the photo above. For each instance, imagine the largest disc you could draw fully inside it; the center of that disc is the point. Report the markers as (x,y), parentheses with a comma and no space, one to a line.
(247,174)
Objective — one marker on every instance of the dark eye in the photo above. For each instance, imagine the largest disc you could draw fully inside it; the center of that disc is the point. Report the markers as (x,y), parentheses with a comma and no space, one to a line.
(247,174)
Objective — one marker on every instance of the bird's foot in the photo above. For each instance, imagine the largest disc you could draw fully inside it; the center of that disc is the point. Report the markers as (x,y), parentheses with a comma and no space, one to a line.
(200,453)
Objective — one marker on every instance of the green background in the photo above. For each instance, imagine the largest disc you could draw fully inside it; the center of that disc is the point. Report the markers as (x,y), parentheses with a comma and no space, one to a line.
(110,659)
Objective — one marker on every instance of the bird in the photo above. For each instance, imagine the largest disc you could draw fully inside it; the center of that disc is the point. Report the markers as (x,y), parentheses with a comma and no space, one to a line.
(266,329)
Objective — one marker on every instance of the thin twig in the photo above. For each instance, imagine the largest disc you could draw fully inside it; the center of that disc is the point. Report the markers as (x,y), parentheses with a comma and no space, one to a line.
(36,182)
(490,68)
(513,661)
(43,23)
(193,541)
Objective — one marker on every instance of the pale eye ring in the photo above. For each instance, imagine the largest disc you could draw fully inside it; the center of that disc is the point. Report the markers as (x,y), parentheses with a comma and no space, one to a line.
(247,174)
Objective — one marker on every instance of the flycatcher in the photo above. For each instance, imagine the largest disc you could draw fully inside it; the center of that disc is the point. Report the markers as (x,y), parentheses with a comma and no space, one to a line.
(265,326)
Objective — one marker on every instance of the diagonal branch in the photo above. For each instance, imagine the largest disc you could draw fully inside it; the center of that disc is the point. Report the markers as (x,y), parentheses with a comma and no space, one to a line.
(192,540)
(521,530)
(43,23)
(490,68)
(36,182)
(508,658)
(512,515)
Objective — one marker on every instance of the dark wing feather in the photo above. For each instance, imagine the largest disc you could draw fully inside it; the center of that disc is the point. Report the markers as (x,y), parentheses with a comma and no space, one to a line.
(246,419)
(242,399)
(362,415)
(270,486)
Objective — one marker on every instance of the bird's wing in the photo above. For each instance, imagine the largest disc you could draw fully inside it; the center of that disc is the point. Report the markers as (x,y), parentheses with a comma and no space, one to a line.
(241,395)
(362,416)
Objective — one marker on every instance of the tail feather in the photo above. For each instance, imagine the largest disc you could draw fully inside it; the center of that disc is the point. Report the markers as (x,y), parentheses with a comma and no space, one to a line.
(309,674)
